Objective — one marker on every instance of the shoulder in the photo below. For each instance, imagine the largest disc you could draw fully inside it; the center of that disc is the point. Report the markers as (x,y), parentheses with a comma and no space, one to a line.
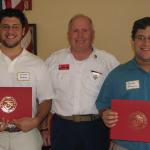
(32,59)
(106,59)
(59,54)
(122,69)
(103,54)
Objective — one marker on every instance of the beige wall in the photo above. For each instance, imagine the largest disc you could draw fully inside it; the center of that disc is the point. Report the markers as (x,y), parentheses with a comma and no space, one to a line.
(113,21)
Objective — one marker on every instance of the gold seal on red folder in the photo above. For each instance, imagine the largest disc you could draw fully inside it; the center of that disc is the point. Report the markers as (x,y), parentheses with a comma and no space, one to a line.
(138,120)
(8,104)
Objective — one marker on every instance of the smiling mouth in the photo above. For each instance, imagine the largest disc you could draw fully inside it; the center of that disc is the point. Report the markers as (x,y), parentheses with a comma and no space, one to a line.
(145,49)
(11,37)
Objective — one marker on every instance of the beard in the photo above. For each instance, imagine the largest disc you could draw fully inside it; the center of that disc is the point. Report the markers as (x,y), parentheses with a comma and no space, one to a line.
(10,45)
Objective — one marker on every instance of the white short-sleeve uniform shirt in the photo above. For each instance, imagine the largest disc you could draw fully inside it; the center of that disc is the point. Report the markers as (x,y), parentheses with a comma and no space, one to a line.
(77,83)
(26,70)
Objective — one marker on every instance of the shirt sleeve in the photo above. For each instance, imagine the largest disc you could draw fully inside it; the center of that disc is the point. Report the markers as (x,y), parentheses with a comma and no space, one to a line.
(44,84)
(105,95)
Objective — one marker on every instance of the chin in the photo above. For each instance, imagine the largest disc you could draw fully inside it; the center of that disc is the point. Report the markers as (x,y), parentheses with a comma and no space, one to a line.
(11,45)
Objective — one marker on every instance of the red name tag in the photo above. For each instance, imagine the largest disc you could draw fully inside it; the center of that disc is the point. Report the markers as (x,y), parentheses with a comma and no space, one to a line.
(63,67)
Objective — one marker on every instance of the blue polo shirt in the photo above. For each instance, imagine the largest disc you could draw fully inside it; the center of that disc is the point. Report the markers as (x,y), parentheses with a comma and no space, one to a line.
(127,81)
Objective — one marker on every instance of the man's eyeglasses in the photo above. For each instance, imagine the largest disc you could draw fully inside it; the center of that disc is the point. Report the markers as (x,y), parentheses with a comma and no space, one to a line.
(14,27)
(142,38)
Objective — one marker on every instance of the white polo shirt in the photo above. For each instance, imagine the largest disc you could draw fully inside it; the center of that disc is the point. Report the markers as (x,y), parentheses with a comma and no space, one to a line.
(35,74)
(77,83)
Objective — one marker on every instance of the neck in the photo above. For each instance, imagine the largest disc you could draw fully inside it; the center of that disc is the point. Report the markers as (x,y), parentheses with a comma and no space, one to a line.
(82,54)
(12,53)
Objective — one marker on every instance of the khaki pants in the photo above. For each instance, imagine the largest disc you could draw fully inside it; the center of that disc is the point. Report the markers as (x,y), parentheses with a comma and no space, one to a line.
(117,147)
(21,140)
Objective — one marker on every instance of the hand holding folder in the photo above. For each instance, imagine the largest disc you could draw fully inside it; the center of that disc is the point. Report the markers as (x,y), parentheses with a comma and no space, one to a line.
(133,120)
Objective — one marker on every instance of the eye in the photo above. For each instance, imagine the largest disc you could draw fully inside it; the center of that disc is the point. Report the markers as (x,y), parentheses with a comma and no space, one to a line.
(76,30)
(15,27)
(5,27)
(140,37)
(85,30)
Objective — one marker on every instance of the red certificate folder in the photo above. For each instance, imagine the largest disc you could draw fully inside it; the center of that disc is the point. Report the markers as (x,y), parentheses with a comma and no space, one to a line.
(133,122)
(15,102)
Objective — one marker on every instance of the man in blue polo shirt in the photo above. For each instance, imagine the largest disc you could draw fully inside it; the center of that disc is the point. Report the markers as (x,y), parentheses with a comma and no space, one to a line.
(136,72)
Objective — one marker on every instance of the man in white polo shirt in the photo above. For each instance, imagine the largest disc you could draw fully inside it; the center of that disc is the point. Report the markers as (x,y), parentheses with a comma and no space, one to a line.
(20,68)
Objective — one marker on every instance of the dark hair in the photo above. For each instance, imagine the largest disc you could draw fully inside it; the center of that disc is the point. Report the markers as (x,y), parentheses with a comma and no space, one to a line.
(140,24)
(11,12)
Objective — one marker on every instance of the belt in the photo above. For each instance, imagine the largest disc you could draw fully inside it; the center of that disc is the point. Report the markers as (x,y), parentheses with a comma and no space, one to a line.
(80,118)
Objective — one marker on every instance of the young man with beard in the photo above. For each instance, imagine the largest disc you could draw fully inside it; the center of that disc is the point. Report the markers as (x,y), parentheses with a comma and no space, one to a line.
(20,68)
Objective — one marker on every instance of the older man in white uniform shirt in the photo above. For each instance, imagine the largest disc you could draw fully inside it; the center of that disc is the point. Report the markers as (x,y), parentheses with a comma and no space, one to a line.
(77,75)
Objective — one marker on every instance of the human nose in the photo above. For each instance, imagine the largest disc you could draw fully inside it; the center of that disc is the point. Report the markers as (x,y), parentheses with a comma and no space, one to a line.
(80,33)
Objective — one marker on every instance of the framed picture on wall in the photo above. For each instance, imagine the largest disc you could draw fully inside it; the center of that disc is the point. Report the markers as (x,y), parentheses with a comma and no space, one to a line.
(33,38)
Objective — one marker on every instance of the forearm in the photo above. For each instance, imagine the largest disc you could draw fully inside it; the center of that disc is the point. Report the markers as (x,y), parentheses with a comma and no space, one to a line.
(45,124)
(42,112)
(45,130)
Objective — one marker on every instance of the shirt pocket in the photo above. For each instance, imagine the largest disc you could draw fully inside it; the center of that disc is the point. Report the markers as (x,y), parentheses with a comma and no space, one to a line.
(93,82)
(62,79)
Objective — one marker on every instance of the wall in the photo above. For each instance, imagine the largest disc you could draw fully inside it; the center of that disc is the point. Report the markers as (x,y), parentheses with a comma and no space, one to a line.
(113,21)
